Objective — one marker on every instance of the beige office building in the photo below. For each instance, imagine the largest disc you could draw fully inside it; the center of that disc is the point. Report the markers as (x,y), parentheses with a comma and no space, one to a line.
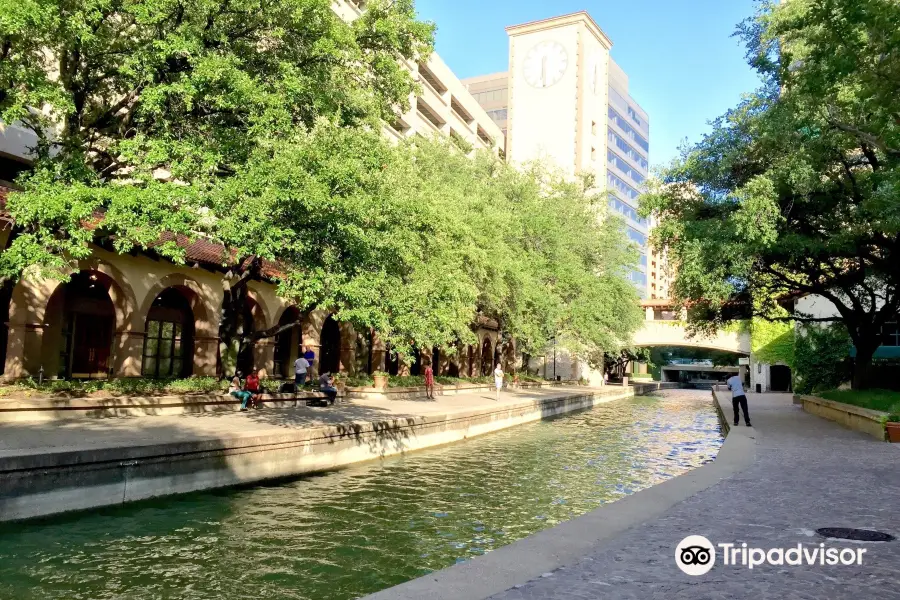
(564,100)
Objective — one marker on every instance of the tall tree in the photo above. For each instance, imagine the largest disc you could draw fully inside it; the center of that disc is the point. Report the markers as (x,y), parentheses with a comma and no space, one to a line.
(795,191)
(544,262)
(151,113)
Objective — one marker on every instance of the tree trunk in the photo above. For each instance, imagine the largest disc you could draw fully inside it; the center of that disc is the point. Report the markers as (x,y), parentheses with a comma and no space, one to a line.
(231,330)
(862,366)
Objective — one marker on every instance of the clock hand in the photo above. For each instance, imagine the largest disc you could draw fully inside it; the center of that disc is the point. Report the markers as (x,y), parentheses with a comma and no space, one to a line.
(544,71)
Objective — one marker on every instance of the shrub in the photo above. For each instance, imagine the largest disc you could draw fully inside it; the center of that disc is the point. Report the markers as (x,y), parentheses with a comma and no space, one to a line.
(821,358)
(360,380)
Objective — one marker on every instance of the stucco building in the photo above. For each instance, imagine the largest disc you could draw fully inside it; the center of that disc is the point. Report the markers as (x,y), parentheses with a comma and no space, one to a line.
(137,315)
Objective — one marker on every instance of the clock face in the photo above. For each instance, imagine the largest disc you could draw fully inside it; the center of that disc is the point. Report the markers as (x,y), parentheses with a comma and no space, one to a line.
(545,64)
(595,67)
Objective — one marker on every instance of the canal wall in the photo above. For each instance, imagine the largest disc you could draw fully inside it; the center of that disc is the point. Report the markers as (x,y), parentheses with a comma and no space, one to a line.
(34,484)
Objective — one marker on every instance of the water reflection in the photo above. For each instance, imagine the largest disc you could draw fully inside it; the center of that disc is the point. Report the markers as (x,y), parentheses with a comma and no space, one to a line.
(344,534)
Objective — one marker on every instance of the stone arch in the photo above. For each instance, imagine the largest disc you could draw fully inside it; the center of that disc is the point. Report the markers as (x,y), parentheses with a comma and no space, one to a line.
(85,326)
(30,298)
(470,362)
(262,316)
(202,306)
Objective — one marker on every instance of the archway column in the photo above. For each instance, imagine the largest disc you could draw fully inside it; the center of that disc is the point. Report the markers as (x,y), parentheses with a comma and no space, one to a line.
(348,349)
(23,350)
(205,351)
(264,357)
(128,353)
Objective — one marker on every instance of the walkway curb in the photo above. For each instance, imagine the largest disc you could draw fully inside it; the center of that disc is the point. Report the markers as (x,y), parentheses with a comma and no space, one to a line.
(566,543)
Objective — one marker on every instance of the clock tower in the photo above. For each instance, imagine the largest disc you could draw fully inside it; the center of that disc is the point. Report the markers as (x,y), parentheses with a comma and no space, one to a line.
(558,93)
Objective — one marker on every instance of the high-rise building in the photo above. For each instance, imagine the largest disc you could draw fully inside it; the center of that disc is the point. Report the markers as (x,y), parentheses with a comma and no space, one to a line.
(565,100)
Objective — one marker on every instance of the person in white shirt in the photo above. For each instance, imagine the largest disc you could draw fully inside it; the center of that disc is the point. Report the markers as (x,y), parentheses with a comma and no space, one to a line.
(301,367)
(738,399)
(498,379)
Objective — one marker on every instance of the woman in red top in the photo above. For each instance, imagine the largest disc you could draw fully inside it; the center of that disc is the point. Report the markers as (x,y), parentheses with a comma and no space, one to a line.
(429,382)
(252,386)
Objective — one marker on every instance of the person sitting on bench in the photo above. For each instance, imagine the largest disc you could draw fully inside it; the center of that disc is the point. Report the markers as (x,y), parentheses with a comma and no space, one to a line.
(326,385)
(252,385)
(237,390)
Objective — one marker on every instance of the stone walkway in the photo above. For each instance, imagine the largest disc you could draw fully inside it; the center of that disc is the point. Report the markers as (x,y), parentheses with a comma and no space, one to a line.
(808,473)
(33,437)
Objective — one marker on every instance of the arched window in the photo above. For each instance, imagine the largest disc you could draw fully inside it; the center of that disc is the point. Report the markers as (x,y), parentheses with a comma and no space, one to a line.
(169,337)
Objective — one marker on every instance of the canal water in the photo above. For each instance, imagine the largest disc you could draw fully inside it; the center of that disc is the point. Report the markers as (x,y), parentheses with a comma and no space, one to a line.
(347,533)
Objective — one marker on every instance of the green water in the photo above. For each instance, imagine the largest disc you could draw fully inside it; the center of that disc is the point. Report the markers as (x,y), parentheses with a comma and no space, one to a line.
(348,533)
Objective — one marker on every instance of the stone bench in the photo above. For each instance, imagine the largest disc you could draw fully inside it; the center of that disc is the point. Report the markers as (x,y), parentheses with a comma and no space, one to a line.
(29,409)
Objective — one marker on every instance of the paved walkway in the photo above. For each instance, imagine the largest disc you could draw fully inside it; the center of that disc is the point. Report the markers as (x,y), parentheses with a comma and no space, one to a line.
(33,437)
(808,473)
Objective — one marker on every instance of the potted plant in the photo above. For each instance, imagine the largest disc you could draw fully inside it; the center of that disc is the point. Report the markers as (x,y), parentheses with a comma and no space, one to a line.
(381,379)
(892,428)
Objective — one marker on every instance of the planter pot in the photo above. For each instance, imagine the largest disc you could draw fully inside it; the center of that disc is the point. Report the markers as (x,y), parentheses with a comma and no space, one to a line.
(381,382)
(893,432)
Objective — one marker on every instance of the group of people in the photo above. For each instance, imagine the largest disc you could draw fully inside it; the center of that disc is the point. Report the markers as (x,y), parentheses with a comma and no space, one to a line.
(249,390)
(246,390)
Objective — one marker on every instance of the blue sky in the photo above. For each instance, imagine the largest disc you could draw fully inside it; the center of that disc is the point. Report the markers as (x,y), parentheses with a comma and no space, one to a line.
(684,67)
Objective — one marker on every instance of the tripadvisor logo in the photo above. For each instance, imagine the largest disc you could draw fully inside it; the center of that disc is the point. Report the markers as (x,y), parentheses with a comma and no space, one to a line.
(696,555)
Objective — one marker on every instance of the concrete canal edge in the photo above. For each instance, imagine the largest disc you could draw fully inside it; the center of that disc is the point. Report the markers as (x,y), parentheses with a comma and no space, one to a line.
(51,482)
(568,542)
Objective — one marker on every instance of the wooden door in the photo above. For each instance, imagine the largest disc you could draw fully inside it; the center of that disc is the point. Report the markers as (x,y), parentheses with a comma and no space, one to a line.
(91,345)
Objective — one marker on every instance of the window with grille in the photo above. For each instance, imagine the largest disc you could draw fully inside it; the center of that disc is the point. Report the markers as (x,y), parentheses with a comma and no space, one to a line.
(163,350)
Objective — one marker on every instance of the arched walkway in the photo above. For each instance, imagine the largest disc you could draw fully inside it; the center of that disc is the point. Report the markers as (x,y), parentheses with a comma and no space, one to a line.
(330,340)
(253,319)
(288,343)
(415,367)
(39,316)
(391,360)
(436,357)
(79,328)
(487,355)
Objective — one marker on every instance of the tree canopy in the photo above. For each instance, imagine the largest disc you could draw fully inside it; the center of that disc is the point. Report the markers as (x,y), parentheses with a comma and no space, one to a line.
(257,126)
(795,191)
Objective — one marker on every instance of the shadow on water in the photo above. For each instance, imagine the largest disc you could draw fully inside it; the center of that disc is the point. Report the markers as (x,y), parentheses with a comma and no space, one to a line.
(342,534)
